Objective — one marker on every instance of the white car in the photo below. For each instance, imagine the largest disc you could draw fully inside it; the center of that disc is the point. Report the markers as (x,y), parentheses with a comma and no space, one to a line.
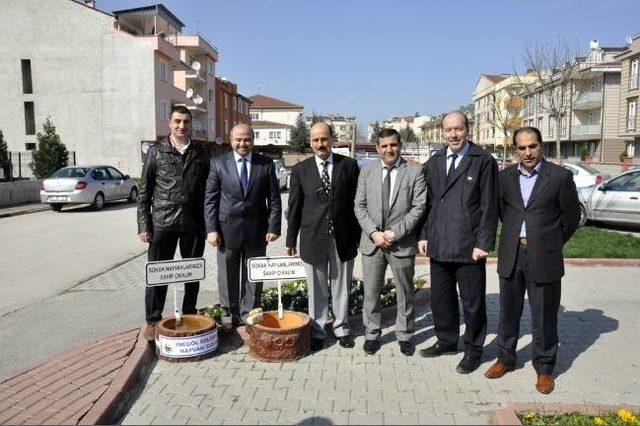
(282,174)
(616,200)
(584,175)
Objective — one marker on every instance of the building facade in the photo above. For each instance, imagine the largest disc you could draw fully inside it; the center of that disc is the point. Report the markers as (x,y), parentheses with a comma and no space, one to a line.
(271,133)
(231,108)
(628,123)
(106,80)
(344,127)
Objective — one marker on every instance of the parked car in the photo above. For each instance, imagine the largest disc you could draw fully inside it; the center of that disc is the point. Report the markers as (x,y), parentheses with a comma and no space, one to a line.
(584,175)
(93,185)
(616,200)
(282,174)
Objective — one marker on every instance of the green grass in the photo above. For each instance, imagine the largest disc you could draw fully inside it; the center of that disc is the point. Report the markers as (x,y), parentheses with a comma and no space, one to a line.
(590,242)
(622,417)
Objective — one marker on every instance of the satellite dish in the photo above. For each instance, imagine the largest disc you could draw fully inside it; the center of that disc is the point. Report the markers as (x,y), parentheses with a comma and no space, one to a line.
(189,93)
(195,65)
(197,99)
(197,125)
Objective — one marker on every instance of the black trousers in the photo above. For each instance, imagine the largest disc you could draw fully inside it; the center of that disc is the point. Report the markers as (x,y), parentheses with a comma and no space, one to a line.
(163,247)
(472,282)
(544,301)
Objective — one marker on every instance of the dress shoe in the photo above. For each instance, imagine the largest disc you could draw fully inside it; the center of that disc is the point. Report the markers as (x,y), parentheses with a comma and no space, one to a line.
(439,348)
(346,341)
(317,344)
(150,332)
(468,365)
(497,370)
(237,321)
(544,384)
(407,348)
(371,346)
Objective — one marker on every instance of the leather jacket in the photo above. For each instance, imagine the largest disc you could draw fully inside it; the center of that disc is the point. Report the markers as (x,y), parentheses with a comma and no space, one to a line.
(171,195)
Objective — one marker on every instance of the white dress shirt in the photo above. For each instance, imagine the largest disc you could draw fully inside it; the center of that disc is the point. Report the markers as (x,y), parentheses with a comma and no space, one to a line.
(180,148)
(319,162)
(460,153)
(394,174)
(239,163)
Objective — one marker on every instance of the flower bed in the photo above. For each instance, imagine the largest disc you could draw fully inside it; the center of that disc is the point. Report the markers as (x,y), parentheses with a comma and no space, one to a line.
(620,417)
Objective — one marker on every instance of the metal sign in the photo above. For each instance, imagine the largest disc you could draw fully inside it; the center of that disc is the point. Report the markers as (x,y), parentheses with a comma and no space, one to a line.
(275,268)
(175,271)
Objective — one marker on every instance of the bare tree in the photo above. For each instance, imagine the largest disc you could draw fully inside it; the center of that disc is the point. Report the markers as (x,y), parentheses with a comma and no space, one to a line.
(506,108)
(550,71)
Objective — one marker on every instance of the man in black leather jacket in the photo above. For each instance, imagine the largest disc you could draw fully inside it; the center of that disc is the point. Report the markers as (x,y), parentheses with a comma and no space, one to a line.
(170,208)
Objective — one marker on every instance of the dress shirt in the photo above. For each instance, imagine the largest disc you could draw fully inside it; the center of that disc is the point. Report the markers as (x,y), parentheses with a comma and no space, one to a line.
(394,174)
(527,181)
(460,154)
(239,164)
(180,148)
(319,162)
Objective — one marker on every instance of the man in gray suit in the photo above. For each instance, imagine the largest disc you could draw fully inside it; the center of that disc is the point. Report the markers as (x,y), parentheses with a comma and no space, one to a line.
(242,214)
(389,205)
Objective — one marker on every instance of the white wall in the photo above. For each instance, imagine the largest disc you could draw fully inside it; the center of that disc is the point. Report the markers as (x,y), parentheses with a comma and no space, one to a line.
(277,116)
(264,138)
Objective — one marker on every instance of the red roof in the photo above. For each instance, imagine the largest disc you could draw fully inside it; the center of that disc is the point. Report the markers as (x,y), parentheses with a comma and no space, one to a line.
(262,123)
(261,101)
(494,78)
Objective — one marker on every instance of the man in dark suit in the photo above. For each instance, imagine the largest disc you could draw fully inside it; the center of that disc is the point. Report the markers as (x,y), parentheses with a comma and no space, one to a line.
(323,188)
(170,209)
(462,215)
(540,212)
(242,214)
(389,205)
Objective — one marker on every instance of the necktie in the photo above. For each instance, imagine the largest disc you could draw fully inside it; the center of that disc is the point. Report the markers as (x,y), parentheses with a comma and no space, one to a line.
(386,194)
(244,175)
(452,166)
(326,184)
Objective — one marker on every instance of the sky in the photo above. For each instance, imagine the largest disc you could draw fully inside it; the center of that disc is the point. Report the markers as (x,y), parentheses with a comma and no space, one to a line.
(376,59)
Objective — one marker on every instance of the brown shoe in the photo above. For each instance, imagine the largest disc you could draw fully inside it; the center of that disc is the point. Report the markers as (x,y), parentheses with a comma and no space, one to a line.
(150,332)
(545,383)
(497,370)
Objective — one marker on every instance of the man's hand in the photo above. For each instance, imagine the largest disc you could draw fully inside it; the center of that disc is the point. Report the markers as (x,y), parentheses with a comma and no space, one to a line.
(391,236)
(291,251)
(271,237)
(145,237)
(478,254)
(381,239)
(213,238)
(422,247)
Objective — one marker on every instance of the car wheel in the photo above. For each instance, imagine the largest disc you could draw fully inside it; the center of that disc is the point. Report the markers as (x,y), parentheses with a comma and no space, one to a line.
(56,207)
(583,216)
(133,196)
(98,201)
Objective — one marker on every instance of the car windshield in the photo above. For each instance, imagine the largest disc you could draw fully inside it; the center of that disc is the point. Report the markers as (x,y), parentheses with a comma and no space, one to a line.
(71,172)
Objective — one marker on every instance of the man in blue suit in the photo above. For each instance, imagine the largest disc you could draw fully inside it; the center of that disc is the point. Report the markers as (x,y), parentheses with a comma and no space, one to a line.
(242,214)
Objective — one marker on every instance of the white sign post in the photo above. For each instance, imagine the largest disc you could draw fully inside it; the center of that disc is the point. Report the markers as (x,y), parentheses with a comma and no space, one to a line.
(167,272)
(276,268)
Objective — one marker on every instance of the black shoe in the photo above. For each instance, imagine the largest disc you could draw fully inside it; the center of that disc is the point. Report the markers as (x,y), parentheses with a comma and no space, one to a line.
(407,348)
(346,341)
(317,344)
(371,346)
(439,348)
(468,365)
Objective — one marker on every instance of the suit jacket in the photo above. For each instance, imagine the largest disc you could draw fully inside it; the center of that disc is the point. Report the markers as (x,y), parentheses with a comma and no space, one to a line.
(552,216)
(462,213)
(308,210)
(242,220)
(406,207)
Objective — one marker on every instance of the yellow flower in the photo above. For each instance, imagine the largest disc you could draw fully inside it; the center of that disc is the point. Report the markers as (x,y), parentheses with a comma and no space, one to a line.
(627,417)
(528,416)
(599,421)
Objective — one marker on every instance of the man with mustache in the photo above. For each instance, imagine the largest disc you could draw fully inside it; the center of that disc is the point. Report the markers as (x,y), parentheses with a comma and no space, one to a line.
(242,215)
(389,206)
(540,212)
(462,215)
(323,188)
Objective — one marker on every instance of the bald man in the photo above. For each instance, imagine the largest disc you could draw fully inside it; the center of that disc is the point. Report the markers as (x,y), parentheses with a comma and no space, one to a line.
(321,201)
(242,215)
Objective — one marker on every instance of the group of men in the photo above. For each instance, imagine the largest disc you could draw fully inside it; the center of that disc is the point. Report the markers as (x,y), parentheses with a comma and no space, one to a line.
(390,211)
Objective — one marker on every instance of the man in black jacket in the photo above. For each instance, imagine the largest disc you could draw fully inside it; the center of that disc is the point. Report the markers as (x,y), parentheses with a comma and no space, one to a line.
(462,215)
(540,212)
(321,201)
(170,204)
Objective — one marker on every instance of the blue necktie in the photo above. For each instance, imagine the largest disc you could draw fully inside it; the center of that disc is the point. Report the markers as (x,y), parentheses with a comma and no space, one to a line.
(452,166)
(244,175)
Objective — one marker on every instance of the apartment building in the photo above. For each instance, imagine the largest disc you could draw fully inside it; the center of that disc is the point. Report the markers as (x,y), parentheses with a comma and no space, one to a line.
(272,119)
(231,108)
(344,127)
(106,80)
(588,105)
(414,122)
(628,123)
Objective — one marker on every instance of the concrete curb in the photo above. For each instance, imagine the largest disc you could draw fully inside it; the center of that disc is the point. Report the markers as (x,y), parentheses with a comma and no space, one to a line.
(577,261)
(507,415)
(21,212)
(110,406)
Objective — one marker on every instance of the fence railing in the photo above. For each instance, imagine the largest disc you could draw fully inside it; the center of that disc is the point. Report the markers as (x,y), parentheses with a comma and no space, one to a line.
(21,164)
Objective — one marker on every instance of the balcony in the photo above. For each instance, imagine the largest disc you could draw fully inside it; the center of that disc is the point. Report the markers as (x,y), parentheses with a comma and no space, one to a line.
(633,81)
(631,124)
(585,131)
(587,100)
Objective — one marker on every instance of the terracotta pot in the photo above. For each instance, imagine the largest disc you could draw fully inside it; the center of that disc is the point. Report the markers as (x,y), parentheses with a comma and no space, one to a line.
(280,340)
(195,339)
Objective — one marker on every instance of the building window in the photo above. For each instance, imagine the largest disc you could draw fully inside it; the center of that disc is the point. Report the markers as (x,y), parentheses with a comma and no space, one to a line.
(30,146)
(27,86)
(211,67)
(29,119)
(165,110)
(563,126)
(256,135)
(162,70)
(540,123)
(633,74)
(226,101)
(211,125)
(210,95)
(632,108)
(275,135)
(551,131)
(226,126)
(254,116)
